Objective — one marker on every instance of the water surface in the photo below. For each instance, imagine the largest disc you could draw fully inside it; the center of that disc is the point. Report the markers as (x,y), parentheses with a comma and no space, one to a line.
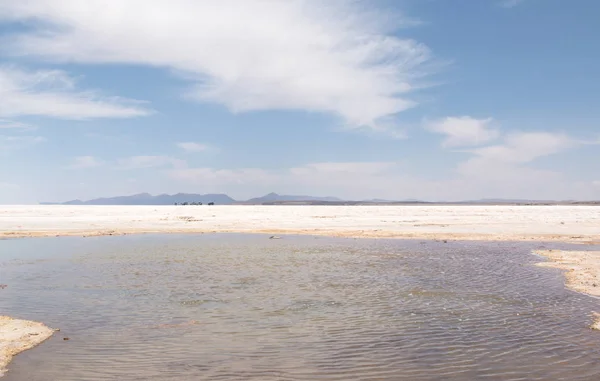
(237,307)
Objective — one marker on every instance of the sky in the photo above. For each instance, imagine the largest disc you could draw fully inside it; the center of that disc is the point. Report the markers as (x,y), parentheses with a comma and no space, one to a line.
(395,99)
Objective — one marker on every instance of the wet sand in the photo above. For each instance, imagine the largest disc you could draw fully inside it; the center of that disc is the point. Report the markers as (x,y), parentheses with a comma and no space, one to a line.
(17,336)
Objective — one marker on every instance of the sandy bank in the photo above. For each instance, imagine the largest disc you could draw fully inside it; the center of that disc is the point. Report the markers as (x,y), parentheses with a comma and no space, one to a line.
(582,271)
(17,336)
(519,223)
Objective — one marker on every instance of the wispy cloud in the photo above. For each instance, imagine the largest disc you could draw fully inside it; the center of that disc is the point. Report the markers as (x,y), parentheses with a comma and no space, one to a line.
(328,56)
(511,152)
(510,3)
(502,169)
(85,162)
(464,130)
(505,168)
(356,168)
(11,124)
(193,147)
(52,93)
(524,147)
(140,162)
(12,143)
(325,177)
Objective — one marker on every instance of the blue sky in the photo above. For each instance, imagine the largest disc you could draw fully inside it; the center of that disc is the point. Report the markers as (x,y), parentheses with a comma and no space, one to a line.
(427,99)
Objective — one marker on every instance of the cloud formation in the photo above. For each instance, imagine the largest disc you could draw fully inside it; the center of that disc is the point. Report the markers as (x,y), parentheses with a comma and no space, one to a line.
(11,124)
(85,162)
(503,169)
(12,143)
(141,162)
(383,180)
(524,147)
(193,147)
(326,56)
(52,93)
(464,131)
(322,178)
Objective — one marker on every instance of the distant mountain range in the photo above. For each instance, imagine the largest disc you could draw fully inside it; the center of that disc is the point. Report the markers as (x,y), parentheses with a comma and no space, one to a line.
(179,198)
(276,199)
(161,199)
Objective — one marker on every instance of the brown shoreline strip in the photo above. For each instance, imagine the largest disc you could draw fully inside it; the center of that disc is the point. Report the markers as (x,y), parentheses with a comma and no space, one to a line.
(377,233)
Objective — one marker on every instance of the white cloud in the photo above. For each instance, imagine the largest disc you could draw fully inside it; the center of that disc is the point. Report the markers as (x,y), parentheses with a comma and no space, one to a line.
(84,162)
(510,3)
(464,130)
(503,169)
(140,162)
(12,143)
(193,147)
(52,93)
(524,147)
(326,56)
(332,168)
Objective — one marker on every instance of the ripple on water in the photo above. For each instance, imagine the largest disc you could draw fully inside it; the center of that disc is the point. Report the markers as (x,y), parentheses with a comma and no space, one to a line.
(230,307)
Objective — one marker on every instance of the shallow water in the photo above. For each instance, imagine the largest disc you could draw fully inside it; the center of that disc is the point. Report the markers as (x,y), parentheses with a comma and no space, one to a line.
(236,307)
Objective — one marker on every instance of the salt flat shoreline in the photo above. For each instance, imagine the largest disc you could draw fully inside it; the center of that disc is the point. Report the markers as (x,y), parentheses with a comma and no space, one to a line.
(17,336)
(581,272)
(565,223)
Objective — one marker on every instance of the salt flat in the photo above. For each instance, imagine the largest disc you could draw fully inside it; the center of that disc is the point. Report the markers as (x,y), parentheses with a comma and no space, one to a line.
(522,223)
(551,223)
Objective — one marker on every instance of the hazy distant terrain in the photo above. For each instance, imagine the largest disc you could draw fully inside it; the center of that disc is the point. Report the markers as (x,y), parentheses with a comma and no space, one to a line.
(179,198)
(274,198)
(277,199)
(162,199)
